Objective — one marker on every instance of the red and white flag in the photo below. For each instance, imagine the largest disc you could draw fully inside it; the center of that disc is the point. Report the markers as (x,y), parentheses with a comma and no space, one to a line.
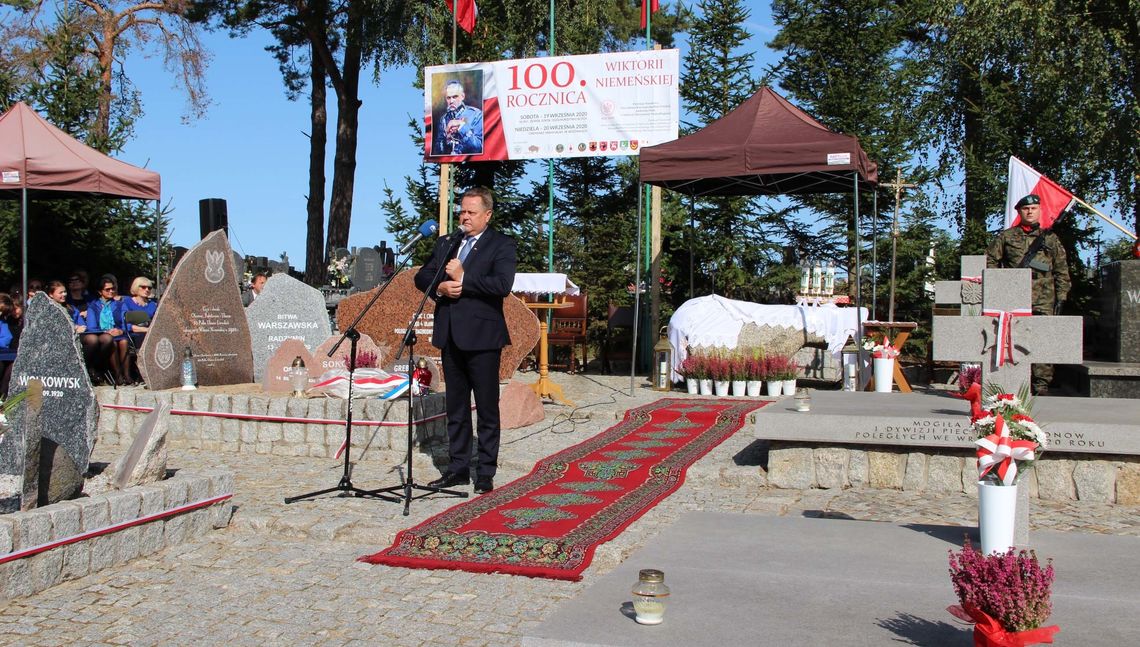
(648,7)
(466,13)
(1023,180)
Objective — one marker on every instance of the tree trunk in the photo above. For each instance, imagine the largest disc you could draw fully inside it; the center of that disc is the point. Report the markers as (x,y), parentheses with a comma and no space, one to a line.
(315,261)
(974,231)
(106,48)
(348,113)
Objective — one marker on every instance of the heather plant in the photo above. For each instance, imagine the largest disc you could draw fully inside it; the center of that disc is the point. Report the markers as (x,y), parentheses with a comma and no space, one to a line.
(757,368)
(739,366)
(1011,588)
(720,366)
(780,367)
(695,366)
(365,359)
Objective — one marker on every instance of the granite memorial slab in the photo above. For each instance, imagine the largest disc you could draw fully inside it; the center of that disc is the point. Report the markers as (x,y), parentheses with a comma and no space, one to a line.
(145,460)
(201,310)
(67,422)
(339,360)
(967,291)
(1008,341)
(387,322)
(366,269)
(1119,324)
(285,309)
(278,373)
(20,454)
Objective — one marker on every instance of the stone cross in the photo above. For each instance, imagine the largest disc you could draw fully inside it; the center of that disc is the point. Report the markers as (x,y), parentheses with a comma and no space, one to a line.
(1035,339)
(964,292)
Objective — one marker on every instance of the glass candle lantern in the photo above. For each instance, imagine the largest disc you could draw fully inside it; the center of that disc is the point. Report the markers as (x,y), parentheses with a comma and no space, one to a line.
(299,377)
(189,372)
(663,363)
(649,595)
(803,400)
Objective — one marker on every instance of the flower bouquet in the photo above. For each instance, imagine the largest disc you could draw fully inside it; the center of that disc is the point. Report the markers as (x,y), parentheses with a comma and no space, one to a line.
(880,351)
(1005,596)
(1008,438)
(338,272)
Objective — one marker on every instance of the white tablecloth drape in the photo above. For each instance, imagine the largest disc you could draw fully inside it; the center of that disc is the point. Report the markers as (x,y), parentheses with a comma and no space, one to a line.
(717,321)
(544,283)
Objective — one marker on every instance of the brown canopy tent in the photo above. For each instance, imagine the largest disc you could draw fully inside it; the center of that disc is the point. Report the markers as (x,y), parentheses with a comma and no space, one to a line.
(38,160)
(766,146)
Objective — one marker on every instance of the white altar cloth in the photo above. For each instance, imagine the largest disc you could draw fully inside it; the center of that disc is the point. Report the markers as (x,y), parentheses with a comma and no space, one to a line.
(544,283)
(717,321)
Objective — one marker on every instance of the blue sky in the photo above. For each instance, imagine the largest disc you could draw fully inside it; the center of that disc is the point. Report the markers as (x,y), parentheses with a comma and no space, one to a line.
(251,148)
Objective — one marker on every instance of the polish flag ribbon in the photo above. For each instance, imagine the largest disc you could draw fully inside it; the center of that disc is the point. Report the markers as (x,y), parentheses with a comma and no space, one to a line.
(998,451)
(972,279)
(1005,331)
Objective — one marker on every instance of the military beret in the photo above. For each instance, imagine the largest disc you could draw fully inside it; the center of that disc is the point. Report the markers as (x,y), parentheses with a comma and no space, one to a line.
(1032,198)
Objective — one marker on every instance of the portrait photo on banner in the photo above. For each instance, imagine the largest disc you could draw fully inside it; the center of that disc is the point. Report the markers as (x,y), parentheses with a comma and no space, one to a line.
(457,113)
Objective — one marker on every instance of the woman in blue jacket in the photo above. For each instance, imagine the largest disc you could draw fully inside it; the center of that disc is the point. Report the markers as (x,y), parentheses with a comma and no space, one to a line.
(105,339)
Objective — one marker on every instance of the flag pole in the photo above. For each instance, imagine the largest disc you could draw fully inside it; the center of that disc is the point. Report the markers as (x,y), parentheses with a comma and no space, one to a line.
(1106,218)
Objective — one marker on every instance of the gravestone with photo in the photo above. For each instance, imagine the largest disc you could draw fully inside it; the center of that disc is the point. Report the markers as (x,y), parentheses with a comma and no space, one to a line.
(387,322)
(278,372)
(58,442)
(1005,339)
(366,269)
(201,311)
(285,309)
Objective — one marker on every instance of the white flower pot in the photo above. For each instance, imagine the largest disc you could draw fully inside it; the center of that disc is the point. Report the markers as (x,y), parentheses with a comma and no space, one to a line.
(997,515)
(706,387)
(775,388)
(884,374)
(721,387)
(789,387)
(740,387)
(754,387)
(693,385)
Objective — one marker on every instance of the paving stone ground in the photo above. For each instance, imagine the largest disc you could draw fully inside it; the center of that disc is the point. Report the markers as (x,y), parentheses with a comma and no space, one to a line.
(287,574)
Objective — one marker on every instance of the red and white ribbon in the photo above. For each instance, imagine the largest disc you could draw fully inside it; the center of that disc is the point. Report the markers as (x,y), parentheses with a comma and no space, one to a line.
(971,279)
(1001,452)
(1005,331)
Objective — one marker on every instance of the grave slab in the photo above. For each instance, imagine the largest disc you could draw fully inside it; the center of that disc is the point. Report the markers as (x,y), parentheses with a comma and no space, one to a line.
(201,310)
(285,309)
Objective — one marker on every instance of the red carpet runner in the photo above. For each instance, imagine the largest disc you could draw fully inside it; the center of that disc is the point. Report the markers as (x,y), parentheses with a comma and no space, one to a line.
(548,523)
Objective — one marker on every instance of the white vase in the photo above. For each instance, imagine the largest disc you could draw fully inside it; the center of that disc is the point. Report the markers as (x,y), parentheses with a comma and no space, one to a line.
(884,374)
(693,385)
(775,388)
(997,515)
(740,388)
(789,387)
(721,387)
(754,386)
(706,387)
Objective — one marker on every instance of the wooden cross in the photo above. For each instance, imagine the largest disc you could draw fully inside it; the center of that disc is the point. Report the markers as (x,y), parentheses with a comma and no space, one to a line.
(967,291)
(1035,339)
(898,186)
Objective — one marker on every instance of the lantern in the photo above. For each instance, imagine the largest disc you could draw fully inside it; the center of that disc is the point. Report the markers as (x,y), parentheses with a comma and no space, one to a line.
(189,372)
(663,363)
(299,377)
(649,593)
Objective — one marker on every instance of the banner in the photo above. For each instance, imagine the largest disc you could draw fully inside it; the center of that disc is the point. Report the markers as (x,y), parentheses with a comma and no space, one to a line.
(563,106)
(1023,180)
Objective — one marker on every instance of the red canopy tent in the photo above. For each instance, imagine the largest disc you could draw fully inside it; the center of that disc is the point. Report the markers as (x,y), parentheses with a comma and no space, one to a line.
(39,160)
(766,146)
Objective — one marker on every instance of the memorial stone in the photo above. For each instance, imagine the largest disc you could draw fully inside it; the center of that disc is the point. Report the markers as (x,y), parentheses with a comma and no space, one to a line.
(278,373)
(366,269)
(1119,324)
(145,460)
(202,311)
(967,291)
(339,360)
(1033,339)
(388,319)
(60,439)
(285,309)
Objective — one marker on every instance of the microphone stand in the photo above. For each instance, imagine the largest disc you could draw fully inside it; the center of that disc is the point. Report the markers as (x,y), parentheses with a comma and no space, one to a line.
(404,489)
(353,336)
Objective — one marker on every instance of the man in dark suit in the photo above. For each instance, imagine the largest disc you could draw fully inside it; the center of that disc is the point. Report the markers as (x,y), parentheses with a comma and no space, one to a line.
(471,331)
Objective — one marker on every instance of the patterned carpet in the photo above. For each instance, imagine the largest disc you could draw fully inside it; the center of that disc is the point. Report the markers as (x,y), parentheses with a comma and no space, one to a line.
(548,523)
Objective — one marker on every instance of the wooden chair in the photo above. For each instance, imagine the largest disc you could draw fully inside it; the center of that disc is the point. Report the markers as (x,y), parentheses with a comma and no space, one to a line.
(568,328)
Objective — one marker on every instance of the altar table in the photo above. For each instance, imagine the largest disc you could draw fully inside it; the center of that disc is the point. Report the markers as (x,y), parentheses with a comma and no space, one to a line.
(552,283)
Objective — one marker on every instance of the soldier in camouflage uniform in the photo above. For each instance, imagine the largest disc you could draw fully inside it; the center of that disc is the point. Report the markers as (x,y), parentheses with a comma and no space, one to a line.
(1048,264)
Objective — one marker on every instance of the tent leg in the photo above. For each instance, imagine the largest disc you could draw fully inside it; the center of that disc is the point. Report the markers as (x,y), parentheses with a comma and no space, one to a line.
(875,254)
(157,245)
(24,243)
(858,280)
(636,289)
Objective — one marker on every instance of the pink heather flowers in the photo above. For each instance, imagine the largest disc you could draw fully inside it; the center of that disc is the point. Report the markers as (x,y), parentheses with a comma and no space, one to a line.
(1011,588)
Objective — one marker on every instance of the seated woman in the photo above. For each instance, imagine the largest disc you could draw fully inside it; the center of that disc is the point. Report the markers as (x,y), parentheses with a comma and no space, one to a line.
(58,293)
(105,340)
(9,338)
(77,294)
(137,314)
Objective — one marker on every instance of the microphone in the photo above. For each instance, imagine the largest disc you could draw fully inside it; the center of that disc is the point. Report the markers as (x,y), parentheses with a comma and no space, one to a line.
(459,232)
(427,229)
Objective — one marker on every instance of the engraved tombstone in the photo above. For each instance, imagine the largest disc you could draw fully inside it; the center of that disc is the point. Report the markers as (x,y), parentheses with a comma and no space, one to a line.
(388,319)
(278,374)
(202,311)
(339,359)
(285,309)
(366,269)
(49,352)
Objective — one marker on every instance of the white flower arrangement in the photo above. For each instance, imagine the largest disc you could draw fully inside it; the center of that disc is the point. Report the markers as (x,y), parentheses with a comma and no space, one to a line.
(338,271)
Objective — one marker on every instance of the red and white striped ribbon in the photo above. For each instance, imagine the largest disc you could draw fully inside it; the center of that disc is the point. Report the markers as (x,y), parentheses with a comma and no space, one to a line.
(1001,452)
(1005,331)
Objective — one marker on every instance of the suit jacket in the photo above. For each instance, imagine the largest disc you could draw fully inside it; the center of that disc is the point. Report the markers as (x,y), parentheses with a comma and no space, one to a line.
(475,320)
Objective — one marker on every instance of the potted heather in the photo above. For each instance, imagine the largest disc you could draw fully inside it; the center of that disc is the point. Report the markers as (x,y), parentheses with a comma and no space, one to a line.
(691,370)
(1004,595)
(773,374)
(789,375)
(721,369)
(739,361)
(756,370)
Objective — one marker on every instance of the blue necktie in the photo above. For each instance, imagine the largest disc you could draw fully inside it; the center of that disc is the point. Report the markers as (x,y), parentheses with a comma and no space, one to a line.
(468,243)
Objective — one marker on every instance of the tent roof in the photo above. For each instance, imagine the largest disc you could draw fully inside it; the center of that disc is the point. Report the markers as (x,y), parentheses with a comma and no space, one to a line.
(37,155)
(766,146)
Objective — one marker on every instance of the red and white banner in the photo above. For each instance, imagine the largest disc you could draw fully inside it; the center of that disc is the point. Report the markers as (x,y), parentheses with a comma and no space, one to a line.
(648,7)
(560,106)
(1023,180)
(465,15)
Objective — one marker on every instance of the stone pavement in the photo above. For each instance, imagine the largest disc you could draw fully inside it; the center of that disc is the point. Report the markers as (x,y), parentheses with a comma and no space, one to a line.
(286,574)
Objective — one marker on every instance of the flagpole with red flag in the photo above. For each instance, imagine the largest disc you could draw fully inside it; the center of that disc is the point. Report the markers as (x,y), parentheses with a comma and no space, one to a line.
(1055,199)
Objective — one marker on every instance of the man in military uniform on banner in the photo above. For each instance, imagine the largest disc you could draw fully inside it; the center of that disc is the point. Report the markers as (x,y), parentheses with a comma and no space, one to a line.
(1027,245)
